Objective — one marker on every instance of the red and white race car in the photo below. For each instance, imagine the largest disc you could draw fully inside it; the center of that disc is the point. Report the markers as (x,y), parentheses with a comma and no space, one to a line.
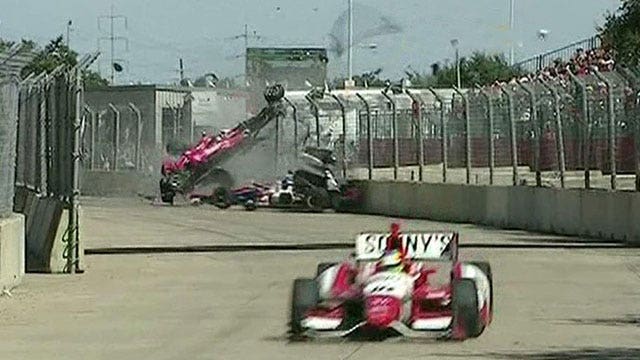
(408,284)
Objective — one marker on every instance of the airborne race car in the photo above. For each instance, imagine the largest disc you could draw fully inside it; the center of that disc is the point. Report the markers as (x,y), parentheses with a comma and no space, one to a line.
(365,295)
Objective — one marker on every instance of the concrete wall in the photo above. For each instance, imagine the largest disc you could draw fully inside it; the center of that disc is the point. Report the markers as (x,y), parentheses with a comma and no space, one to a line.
(576,212)
(12,244)
(118,183)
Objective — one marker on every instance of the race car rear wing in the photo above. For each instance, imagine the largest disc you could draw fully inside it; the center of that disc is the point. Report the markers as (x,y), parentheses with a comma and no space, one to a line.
(416,246)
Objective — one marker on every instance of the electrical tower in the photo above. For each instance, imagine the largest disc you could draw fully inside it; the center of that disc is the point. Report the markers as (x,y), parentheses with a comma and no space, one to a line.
(246,37)
(112,18)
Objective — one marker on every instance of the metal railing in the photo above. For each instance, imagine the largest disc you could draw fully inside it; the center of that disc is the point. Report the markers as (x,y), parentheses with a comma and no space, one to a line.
(565,53)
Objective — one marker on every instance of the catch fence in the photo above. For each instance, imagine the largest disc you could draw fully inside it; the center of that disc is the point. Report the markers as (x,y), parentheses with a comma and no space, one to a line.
(41,125)
(572,132)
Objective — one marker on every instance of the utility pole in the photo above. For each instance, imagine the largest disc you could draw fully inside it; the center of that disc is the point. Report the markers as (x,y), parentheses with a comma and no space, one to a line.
(350,42)
(511,26)
(181,71)
(245,35)
(455,44)
(69,23)
(112,38)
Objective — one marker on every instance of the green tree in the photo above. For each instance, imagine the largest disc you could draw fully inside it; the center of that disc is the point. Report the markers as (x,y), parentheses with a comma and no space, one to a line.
(480,68)
(621,32)
(54,54)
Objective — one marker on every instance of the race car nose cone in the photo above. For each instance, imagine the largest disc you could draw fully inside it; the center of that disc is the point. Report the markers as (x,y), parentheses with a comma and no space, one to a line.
(381,311)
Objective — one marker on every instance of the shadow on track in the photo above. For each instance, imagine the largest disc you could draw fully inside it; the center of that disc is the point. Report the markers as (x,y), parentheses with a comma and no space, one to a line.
(618,353)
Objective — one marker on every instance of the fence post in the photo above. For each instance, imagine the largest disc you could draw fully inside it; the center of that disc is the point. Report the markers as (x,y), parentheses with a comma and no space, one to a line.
(611,116)
(420,103)
(369,137)
(316,115)
(394,126)
(533,104)
(344,133)
(92,136)
(445,135)
(512,131)
(138,154)
(101,114)
(633,79)
(492,147)
(277,146)
(73,237)
(559,132)
(294,114)
(116,136)
(467,129)
(42,136)
(586,132)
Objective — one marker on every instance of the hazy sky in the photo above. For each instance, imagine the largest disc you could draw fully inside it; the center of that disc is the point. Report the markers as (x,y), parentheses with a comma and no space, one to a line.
(161,31)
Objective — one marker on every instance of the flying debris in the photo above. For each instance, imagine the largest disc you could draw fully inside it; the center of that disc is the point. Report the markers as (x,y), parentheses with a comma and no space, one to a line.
(368,23)
(543,34)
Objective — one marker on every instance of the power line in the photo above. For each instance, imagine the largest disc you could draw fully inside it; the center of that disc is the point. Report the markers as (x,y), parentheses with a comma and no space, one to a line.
(112,38)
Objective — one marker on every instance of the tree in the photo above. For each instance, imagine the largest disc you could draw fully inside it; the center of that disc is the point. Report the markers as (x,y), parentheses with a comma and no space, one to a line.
(481,68)
(620,32)
(54,54)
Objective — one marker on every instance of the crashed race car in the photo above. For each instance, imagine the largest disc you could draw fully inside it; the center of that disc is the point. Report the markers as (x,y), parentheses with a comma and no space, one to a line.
(396,284)
(203,162)
(249,196)
(311,187)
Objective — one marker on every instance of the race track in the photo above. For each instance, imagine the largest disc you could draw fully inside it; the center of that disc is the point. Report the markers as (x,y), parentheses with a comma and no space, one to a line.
(565,300)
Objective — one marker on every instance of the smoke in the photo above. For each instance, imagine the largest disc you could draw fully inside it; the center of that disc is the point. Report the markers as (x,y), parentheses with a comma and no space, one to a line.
(368,23)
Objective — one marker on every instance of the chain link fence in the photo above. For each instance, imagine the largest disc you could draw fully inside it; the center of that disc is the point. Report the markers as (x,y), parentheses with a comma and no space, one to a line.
(579,132)
(12,60)
(41,125)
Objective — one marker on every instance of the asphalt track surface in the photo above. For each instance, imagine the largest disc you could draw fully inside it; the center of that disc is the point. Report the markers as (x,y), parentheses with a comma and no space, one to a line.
(161,283)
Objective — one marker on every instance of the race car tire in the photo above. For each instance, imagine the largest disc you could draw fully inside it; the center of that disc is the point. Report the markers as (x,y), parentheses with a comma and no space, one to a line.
(318,199)
(222,198)
(166,194)
(466,317)
(167,197)
(304,297)
(324,266)
(274,93)
(250,205)
(486,269)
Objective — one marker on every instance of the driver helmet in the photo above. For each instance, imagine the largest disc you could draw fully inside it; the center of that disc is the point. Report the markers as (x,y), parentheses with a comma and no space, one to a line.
(392,261)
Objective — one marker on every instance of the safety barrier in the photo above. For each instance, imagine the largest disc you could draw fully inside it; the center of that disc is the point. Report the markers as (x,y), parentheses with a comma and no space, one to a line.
(592,214)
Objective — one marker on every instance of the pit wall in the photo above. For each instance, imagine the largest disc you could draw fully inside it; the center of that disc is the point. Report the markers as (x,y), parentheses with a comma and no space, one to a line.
(593,214)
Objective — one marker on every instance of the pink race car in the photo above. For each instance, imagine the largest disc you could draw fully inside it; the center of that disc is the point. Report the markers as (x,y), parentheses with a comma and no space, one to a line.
(407,284)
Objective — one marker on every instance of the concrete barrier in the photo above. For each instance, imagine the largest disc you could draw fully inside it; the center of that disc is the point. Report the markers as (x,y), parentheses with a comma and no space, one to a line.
(12,265)
(45,234)
(595,214)
(118,183)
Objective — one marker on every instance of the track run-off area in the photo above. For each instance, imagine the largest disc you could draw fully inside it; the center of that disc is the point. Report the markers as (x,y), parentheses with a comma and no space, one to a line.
(188,282)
